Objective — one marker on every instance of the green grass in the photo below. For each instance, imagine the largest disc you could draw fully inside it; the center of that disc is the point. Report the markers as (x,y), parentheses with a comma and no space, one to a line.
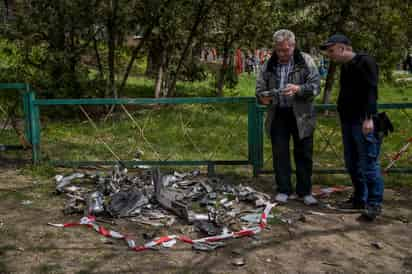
(44,171)
(197,132)
(17,196)
(172,132)
(49,268)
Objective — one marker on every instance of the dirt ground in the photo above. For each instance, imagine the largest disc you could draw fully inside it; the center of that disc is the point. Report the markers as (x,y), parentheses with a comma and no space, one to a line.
(313,243)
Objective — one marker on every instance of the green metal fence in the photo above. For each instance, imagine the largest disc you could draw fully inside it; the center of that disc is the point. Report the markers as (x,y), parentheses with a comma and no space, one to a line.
(255,130)
(23,91)
(252,141)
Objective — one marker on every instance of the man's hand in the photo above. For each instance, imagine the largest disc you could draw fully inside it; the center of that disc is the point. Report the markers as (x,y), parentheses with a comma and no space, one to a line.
(367,126)
(265,100)
(290,89)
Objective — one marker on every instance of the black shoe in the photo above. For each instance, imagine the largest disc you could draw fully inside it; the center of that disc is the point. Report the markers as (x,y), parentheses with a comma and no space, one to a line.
(351,204)
(371,212)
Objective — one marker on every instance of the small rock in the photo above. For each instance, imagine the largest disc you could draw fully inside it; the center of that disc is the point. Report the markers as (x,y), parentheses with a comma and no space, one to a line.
(240,261)
(403,219)
(377,245)
(26,202)
(237,251)
(302,218)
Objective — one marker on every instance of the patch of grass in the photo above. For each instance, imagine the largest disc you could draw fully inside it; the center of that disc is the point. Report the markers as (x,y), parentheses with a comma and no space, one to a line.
(5,248)
(49,268)
(43,249)
(173,133)
(15,195)
(274,220)
(41,171)
(3,267)
(83,272)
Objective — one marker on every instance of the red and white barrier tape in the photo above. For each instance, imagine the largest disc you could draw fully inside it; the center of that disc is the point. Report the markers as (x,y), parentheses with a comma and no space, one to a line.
(90,221)
(398,155)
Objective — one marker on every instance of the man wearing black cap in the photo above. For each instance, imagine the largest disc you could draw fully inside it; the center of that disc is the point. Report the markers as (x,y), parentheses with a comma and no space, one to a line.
(357,105)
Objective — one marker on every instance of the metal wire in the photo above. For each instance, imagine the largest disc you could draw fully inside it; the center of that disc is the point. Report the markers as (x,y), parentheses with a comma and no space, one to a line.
(100,139)
(141,130)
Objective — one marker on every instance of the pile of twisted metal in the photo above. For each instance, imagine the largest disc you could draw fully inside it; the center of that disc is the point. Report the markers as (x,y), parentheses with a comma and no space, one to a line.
(215,209)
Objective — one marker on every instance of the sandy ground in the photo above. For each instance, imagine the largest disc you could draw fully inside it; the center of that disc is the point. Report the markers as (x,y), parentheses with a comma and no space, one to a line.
(329,243)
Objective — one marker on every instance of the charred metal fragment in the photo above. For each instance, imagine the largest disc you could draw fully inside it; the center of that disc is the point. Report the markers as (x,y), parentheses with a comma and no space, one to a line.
(168,198)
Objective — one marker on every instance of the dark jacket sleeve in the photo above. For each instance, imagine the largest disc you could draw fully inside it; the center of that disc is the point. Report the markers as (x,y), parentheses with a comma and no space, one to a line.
(369,71)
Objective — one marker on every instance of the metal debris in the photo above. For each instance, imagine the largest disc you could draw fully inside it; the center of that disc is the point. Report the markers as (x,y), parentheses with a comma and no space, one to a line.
(90,221)
(251,218)
(123,204)
(119,194)
(95,203)
(240,261)
(62,181)
(207,246)
(316,213)
(168,198)
(151,198)
(208,227)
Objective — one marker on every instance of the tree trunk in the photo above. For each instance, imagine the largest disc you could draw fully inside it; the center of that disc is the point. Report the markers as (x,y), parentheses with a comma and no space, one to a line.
(201,14)
(9,9)
(222,72)
(133,58)
(111,41)
(57,44)
(98,59)
(153,57)
(160,75)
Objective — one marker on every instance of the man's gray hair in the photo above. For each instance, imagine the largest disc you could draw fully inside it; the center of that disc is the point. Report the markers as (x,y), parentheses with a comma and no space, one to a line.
(282,35)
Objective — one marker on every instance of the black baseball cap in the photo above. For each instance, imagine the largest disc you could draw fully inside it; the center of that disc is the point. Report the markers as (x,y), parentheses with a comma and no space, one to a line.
(334,39)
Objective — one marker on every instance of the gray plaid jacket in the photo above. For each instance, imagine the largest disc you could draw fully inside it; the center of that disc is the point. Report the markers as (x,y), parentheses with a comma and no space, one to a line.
(306,74)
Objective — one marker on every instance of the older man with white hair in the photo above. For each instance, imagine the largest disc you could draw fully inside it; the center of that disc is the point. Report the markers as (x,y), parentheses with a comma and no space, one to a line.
(288,82)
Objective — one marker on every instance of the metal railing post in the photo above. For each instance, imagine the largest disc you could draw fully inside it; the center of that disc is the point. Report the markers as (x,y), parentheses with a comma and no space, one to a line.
(34,127)
(253,136)
(26,112)
(260,136)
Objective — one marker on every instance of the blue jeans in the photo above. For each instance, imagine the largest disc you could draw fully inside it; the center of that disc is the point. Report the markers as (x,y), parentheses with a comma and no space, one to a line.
(362,163)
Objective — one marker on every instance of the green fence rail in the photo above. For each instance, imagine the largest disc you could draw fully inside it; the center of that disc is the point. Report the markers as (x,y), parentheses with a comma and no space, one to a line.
(252,137)
(255,114)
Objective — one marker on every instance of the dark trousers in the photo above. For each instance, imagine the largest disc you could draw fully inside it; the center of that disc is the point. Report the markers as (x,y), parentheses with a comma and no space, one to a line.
(283,127)
(362,163)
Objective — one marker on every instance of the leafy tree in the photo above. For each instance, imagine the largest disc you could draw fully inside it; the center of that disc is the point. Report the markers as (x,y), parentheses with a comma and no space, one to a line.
(238,24)
(377,27)
(51,37)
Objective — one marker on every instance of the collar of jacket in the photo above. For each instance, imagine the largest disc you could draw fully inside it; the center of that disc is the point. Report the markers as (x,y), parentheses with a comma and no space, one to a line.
(298,60)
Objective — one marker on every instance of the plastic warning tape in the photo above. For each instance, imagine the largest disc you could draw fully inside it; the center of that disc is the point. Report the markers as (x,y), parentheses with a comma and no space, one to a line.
(90,221)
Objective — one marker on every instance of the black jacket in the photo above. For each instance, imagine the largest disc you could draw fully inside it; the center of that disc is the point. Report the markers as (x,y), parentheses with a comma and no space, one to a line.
(358,89)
